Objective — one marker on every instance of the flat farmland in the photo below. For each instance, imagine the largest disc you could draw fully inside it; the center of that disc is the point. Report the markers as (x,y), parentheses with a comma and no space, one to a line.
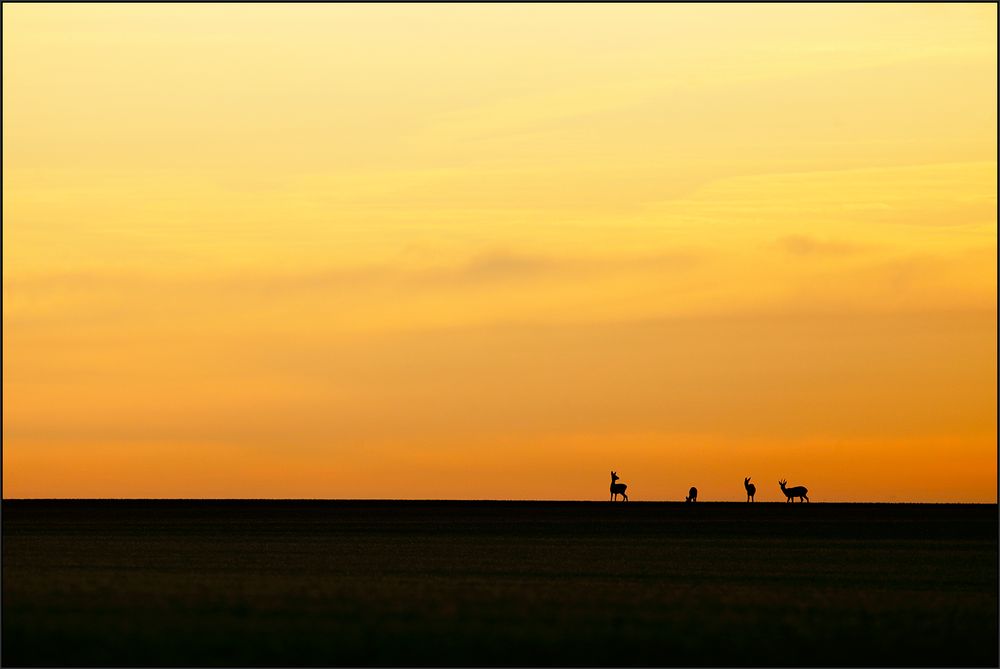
(211,583)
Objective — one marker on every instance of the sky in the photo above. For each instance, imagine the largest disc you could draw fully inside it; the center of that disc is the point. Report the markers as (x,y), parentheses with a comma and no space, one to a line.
(495,251)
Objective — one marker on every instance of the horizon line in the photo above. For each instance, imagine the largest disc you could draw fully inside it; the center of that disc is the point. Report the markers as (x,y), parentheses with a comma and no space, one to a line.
(403,499)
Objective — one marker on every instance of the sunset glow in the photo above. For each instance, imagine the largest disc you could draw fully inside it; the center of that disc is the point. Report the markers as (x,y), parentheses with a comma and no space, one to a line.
(493,251)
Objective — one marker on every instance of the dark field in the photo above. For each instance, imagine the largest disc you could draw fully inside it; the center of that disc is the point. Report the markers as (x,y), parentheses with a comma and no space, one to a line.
(486,583)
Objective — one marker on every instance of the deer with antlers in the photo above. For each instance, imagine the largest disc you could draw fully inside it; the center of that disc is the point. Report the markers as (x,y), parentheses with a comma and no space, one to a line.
(799,491)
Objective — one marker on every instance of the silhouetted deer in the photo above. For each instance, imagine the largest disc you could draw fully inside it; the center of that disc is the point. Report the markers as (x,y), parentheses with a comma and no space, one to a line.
(751,489)
(617,488)
(799,491)
(692,495)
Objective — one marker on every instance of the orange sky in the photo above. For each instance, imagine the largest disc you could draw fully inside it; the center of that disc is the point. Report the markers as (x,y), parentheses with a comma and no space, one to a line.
(492,251)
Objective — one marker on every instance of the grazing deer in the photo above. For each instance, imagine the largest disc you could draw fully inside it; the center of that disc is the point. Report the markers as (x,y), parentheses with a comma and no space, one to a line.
(751,489)
(692,495)
(617,488)
(799,491)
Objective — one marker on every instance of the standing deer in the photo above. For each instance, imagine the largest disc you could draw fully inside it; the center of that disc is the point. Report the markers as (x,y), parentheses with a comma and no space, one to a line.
(751,489)
(617,488)
(692,495)
(799,491)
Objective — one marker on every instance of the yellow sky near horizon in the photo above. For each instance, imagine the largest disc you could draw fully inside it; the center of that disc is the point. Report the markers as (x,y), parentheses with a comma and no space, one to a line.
(494,251)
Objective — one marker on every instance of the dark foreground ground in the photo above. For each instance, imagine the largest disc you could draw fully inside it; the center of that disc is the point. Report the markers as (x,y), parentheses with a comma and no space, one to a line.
(486,583)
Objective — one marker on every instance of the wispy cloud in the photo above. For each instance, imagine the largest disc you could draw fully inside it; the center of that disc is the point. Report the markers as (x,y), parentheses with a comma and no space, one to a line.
(803,245)
(489,267)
